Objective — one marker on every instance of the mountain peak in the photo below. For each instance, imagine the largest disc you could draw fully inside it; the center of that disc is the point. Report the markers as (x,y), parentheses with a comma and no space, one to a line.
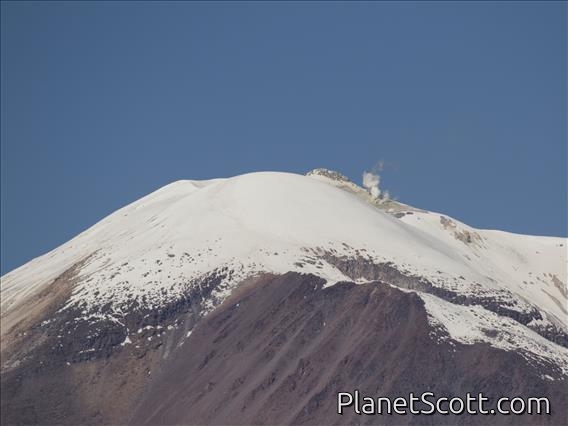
(137,288)
(330,174)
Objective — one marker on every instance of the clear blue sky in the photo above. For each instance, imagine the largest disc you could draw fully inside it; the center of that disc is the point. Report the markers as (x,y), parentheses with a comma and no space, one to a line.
(105,102)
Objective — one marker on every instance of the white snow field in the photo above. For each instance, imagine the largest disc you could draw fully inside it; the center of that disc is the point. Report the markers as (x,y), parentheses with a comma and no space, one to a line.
(162,244)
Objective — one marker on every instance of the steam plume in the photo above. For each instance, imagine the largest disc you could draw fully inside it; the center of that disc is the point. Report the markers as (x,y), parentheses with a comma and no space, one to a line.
(371,181)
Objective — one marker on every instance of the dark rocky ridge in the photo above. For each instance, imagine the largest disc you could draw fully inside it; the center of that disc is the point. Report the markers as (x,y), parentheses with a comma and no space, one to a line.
(360,267)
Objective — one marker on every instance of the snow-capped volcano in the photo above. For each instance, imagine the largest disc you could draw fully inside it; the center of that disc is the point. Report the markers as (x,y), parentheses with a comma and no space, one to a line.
(201,240)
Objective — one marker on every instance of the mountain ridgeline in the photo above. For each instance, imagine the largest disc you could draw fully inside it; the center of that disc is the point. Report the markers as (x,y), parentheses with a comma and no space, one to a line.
(256,299)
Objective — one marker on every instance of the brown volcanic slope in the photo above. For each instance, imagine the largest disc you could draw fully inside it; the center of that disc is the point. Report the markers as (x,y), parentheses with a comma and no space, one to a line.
(276,352)
(279,352)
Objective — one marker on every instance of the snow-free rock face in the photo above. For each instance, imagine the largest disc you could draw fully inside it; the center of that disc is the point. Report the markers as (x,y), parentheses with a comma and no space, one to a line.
(293,344)
(133,286)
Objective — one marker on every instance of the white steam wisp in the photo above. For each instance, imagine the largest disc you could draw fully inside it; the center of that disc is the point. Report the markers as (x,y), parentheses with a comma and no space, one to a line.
(371,181)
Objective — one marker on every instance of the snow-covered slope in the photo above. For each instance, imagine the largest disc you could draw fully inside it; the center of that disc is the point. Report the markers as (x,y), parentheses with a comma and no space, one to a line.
(152,251)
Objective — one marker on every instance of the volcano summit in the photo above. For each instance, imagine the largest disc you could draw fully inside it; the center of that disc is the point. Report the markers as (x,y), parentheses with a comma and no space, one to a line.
(256,299)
